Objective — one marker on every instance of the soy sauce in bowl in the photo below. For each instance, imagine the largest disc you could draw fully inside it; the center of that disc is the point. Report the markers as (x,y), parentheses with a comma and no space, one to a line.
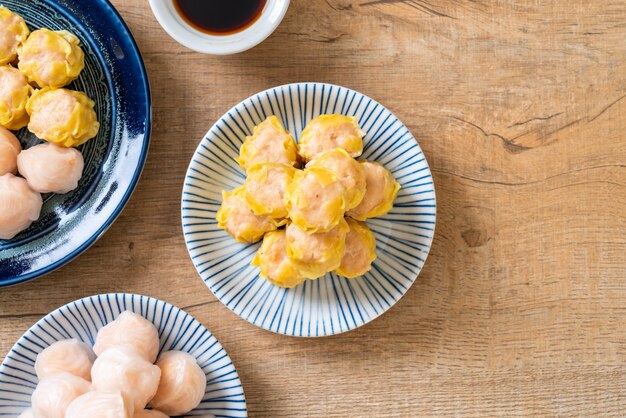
(220,17)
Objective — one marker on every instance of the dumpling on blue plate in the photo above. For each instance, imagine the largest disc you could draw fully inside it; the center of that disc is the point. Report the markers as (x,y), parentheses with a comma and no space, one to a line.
(10,148)
(380,193)
(265,188)
(19,206)
(269,143)
(274,263)
(14,94)
(360,250)
(71,356)
(327,132)
(13,31)
(54,394)
(98,404)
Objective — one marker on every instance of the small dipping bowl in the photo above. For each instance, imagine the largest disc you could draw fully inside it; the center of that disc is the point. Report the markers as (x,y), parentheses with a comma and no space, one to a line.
(169,18)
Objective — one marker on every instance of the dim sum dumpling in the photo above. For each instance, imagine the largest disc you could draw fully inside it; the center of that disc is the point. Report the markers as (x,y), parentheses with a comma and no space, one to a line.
(51,59)
(14,94)
(349,172)
(122,369)
(96,404)
(182,386)
(129,329)
(27,413)
(49,168)
(13,31)
(237,218)
(274,263)
(360,250)
(10,147)
(19,206)
(270,142)
(64,117)
(54,394)
(150,413)
(381,191)
(265,188)
(315,200)
(317,253)
(72,356)
(327,132)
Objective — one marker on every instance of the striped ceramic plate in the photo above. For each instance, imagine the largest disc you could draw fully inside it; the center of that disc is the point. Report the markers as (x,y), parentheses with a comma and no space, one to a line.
(83,318)
(332,304)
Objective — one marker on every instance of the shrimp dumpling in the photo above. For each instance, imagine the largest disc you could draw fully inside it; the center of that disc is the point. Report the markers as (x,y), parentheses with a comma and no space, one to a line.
(275,264)
(51,59)
(182,386)
(27,413)
(19,206)
(64,117)
(54,394)
(14,94)
(317,253)
(129,329)
(72,356)
(237,218)
(123,369)
(96,404)
(315,200)
(10,147)
(349,172)
(149,413)
(360,250)
(265,188)
(269,142)
(327,132)
(49,168)
(13,31)
(381,191)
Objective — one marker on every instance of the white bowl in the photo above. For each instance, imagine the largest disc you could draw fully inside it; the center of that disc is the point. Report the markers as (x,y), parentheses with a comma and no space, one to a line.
(183,33)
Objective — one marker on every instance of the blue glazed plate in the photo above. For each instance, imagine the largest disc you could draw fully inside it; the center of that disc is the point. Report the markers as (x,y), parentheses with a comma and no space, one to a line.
(332,304)
(115,78)
(224,396)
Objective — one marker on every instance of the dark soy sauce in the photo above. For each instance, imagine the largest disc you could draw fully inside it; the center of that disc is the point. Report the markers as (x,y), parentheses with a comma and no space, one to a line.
(220,17)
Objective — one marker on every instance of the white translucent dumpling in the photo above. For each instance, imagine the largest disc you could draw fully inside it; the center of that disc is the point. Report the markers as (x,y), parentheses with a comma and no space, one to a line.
(182,386)
(49,168)
(123,369)
(19,206)
(98,404)
(150,413)
(129,329)
(70,356)
(28,413)
(55,393)
(9,149)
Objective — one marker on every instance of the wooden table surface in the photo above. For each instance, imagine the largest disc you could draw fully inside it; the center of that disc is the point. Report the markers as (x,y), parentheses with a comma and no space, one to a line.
(520,107)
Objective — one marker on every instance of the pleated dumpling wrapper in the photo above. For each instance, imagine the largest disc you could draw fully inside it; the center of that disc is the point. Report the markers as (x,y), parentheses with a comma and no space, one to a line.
(10,148)
(19,206)
(349,172)
(129,329)
(316,200)
(71,356)
(55,393)
(360,250)
(269,143)
(98,404)
(237,218)
(182,386)
(14,94)
(318,253)
(13,31)
(51,59)
(150,413)
(381,191)
(265,188)
(61,116)
(274,263)
(49,168)
(327,132)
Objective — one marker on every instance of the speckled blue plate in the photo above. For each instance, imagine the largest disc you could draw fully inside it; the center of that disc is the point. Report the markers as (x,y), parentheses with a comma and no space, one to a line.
(115,78)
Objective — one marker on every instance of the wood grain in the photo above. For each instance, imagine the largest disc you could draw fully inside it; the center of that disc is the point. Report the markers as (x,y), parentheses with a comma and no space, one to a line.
(520,107)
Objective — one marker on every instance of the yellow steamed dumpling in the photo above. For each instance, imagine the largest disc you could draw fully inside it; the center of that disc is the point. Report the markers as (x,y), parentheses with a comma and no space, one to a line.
(270,142)
(360,250)
(381,191)
(64,117)
(13,31)
(51,59)
(327,132)
(274,263)
(265,188)
(14,94)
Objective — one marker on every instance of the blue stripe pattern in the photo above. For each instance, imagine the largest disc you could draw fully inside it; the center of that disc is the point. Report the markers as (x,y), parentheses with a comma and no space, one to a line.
(332,304)
(224,396)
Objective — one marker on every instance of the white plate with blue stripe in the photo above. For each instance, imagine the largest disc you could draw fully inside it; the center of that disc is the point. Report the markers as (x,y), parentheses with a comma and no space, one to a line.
(332,304)
(83,318)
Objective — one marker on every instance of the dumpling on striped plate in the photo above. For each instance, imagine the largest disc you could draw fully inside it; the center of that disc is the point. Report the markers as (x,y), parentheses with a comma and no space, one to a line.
(274,263)
(129,329)
(13,31)
(70,356)
(265,188)
(381,191)
(10,148)
(360,250)
(150,413)
(269,143)
(96,404)
(54,394)
(327,132)
(14,94)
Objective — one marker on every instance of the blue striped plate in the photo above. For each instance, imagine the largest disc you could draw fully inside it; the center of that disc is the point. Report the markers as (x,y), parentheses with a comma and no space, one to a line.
(83,318)
(332,304)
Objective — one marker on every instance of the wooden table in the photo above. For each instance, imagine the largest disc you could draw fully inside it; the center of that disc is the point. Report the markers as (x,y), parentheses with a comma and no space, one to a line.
(520,107)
